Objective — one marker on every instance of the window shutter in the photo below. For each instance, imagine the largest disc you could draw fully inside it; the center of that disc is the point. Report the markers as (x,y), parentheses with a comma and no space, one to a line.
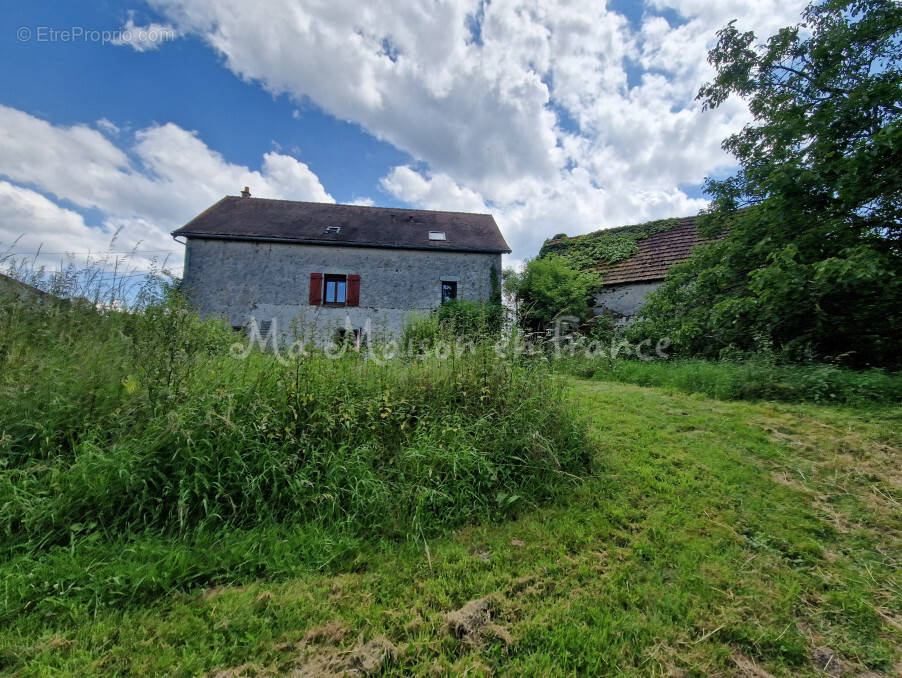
(316,289)
(353,298)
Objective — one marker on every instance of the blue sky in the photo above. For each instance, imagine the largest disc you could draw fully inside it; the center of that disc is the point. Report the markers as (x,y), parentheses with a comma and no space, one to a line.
(566,116)
(74,82)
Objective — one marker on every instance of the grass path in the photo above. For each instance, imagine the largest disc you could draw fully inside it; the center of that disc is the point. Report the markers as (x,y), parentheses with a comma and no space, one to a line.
(714,538)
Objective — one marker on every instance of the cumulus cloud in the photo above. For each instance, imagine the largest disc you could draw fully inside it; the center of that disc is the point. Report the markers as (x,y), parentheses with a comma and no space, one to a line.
(143,38)
(433,192)
(36,231)
(554,115)
(108,126)
(163,178)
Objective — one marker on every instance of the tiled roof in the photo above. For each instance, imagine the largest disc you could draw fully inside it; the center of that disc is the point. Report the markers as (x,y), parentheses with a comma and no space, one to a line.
(657,253)
(355,225)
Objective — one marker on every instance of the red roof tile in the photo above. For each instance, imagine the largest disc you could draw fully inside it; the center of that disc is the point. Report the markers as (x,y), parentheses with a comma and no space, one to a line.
(657,253)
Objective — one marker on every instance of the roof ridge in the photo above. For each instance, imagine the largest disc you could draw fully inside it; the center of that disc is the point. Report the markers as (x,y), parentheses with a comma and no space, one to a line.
(344,204)
(685,221)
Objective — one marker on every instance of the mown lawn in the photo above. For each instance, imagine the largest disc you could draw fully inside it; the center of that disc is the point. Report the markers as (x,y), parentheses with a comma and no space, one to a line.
(713,538)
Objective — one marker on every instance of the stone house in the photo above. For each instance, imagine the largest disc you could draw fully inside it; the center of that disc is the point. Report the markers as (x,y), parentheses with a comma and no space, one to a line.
(317,270)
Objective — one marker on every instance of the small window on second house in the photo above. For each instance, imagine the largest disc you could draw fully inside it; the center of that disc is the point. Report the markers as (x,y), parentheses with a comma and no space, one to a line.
(449,290)
(336,290)
(437,235)
(332,230)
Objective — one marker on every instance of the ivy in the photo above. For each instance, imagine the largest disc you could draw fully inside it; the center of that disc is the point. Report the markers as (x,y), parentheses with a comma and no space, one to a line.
(605,246)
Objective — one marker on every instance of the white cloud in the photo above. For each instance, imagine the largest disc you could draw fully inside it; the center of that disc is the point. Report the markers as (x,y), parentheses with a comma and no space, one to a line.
(554,115)
(143,38)
(39,231)
(435,192)
(108,126)
(164,177)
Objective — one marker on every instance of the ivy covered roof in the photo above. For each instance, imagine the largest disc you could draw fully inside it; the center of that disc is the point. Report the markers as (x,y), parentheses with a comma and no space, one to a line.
(637,253)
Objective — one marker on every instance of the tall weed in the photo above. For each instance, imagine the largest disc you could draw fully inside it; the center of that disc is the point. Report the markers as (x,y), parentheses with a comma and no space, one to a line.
(121,432)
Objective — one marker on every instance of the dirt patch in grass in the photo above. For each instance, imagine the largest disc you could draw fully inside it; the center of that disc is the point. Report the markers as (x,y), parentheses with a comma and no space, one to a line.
(364,659)
(242,671)
(472,624)
(828,662)
(333,632)
(319,656)
(747,668)
(216,591)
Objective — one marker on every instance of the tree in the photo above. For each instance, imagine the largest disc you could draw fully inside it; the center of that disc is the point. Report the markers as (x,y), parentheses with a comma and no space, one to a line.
(548,288)
(809,261)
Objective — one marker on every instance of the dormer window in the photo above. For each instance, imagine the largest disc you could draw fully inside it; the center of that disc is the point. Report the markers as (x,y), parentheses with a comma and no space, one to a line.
(332,230)
(437,235)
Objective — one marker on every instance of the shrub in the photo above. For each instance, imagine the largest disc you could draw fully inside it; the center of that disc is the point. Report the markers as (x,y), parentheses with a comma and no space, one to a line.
(548,288)
(751,379)
(454,320)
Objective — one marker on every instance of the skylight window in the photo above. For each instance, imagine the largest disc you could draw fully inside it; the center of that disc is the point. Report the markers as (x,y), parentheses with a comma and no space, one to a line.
(437,235)
(332,230)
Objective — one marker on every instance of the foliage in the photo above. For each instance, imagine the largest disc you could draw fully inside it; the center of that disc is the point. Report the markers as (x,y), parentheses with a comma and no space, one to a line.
(550,287)
(753,379)
(716,539)
(471,319)
(813,267)
(453,321)
(608,246)
(123,435)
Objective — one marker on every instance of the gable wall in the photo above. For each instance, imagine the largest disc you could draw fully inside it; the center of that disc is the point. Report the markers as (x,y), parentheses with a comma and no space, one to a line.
(623,301)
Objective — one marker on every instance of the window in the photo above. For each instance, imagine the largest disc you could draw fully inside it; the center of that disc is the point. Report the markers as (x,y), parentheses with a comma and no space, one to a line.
(336,289)
(332,230)
(449,290)
(437,235)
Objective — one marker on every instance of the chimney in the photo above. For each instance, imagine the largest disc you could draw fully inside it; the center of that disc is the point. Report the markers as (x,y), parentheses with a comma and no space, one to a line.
(246,193)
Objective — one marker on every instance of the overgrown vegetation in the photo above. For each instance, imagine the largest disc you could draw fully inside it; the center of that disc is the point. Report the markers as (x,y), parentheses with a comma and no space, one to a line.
(716,538)
(458,319)
(753,379)
(549,288)
(814,269)
(140,457)
(606,246)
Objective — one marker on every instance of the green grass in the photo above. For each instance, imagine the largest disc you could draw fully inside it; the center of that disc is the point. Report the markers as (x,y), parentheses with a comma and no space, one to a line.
(754,379)
(138,456)
(712,538)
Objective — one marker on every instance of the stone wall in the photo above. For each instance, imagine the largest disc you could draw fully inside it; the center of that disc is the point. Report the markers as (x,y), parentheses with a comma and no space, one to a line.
(623,301)
(239,280)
